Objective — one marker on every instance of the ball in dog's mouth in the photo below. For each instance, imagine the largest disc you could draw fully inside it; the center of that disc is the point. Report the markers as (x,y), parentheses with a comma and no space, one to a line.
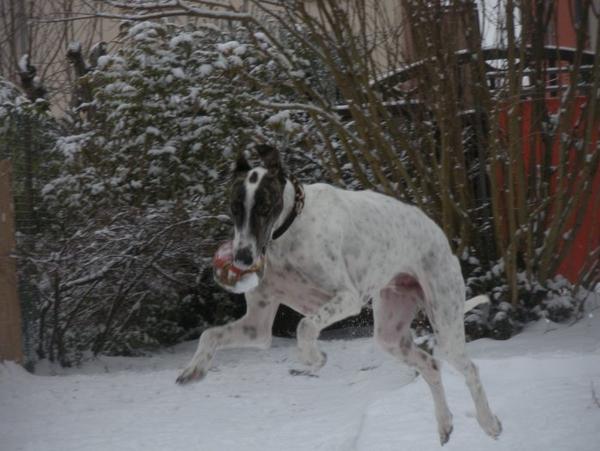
(232,278)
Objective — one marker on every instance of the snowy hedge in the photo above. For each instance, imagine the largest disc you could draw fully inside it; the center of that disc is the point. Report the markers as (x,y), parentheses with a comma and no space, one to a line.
(141,189)
(27,135)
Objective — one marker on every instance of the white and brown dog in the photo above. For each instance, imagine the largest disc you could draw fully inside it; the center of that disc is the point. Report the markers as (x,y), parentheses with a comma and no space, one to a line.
(327,262)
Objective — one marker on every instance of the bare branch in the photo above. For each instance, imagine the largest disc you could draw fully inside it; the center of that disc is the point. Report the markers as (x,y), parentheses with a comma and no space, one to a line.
(174,8)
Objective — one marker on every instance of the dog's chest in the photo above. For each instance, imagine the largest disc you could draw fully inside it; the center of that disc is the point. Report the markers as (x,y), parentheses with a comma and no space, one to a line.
(294,287)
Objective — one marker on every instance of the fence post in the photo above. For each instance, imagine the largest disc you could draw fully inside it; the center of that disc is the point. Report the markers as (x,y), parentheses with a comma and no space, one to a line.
(11,341)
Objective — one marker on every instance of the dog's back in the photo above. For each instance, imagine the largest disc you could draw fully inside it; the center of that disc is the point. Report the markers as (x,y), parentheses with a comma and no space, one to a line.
(374,236)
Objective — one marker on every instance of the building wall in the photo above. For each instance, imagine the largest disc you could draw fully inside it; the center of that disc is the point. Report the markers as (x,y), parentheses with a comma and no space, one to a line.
(47,43)
(594,25)
(568,13)
(25,29)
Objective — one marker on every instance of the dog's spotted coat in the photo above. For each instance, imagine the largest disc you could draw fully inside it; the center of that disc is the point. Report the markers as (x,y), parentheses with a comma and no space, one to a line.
(342,250)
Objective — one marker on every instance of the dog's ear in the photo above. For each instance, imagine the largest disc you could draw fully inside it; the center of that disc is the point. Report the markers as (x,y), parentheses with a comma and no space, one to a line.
(241,165)
(272,161)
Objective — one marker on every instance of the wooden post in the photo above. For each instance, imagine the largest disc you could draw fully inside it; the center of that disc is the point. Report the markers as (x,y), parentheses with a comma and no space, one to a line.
(11,342)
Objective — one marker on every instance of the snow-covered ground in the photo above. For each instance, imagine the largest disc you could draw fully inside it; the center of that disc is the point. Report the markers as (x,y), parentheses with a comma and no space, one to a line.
(541,384)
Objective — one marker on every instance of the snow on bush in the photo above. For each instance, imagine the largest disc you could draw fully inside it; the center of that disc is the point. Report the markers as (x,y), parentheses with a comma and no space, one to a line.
(141,189)
(558,300)
(170,111)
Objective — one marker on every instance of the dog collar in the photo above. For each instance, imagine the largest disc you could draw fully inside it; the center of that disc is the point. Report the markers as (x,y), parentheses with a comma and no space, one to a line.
(298,206)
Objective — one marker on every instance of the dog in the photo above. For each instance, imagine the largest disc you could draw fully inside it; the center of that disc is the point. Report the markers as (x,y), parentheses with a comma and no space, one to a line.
(328,252)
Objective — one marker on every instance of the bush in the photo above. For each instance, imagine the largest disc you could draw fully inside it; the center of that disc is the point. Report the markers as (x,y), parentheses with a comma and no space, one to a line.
(140,191)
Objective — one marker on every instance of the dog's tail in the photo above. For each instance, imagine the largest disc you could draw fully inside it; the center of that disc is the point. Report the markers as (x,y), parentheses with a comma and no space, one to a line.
(470,304)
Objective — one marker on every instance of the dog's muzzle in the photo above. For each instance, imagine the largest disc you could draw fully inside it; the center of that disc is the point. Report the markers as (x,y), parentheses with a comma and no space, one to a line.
(232,278)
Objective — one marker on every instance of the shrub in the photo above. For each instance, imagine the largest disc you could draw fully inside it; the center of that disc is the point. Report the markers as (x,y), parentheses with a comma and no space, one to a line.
(140,196)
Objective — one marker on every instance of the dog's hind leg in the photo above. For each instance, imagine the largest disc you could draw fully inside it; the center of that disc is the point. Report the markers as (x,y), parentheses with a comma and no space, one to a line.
(393,312)
(486,419)
(451,342)
(252,330)
(343,305)
(446,315)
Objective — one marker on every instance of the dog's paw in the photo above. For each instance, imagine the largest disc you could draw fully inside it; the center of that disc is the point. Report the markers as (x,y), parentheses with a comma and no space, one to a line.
(313,358)
(445,435)
(191,374)
(445,427)
(494,428)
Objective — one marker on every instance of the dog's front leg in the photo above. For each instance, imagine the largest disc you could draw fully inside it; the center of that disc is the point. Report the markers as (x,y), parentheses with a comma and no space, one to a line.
(252,330)
(344,304)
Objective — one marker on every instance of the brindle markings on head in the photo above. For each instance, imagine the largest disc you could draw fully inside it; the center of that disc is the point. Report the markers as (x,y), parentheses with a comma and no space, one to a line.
(266,206)
(237,205)
(263,203)
(242,208)
(257,200)
(272,161)
(251,188)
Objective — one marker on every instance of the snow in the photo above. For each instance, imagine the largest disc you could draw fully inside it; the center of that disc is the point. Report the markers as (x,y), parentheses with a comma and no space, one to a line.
(540,383)
(24,63)
(120,88)
(229,47)
(153,131)
(186,38)
(178,72)
(75,47)
(143,30)
(205,70)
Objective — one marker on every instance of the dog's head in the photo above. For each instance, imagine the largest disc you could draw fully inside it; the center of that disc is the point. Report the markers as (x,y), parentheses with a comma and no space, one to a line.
(256,203)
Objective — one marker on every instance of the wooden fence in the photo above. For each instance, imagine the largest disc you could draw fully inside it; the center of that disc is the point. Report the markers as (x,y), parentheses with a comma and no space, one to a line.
(11,341)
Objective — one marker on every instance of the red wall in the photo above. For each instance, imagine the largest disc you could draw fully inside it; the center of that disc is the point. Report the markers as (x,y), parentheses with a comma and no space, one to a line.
(562,32)
(588,237)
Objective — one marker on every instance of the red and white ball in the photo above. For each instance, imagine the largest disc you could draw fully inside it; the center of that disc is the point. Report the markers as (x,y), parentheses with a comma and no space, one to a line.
(232,278)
